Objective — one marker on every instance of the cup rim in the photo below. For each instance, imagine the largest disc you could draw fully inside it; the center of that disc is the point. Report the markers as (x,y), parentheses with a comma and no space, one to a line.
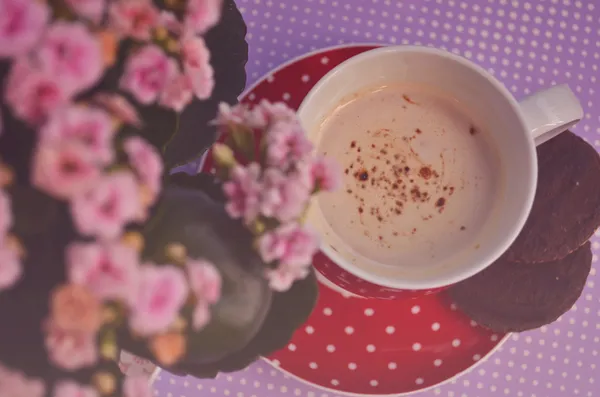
(474,268)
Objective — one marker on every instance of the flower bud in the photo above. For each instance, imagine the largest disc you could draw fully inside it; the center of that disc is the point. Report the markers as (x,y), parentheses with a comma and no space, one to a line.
(223,156)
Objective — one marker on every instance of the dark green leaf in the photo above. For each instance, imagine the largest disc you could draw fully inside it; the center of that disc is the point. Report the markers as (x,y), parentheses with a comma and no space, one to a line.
(288,312)
(33,211)
(204,182)
(189,217)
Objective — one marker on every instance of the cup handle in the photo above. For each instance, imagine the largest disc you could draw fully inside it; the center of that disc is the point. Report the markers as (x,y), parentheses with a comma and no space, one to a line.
(549,112)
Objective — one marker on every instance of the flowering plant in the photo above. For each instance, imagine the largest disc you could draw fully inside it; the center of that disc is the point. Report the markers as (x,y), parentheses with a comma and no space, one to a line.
(101,249)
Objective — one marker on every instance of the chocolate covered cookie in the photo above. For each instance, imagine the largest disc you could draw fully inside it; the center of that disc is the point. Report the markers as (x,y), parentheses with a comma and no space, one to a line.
(566,210)
(511,297)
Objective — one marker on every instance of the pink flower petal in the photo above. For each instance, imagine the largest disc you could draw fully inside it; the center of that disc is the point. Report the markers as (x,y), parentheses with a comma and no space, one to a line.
(177,93)
(11,268)
(200,315)
(133,18)
(284,196)
(196,65)
(286,144)
(108,270)
(70,350)
(202,15)
(21,25)
(282,278)
(161,293)
(146,162)
(33,94)
(205,282)
(16,384)
(90,9)
(325,173)
(72,55)
(119,107)
(147,73)
(291,244)
(106,208)
(91,127)
(64,171)
(243,192)
(6,218)
(136,386)
(170,22)
(228,115)
(293,247)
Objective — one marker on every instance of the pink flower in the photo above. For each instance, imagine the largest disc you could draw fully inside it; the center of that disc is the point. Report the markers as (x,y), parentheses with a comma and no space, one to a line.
(136,386)
(291,244)
(205,282)
(91,127)
(162,291)
(33,94)
(16,384)
(71,55)
(119,107)
(324,173)
(134,18)
(228,115)
(276,112)
(105,209)
(147,73)
(146,162)
(108,270)
(11,268)
(170,22)
(282,277)
(72,389)
(202,15)
(243,192)
(64,171)
(178,92)
(70,350)
(196,65)
(90,9)
(6,218)
(21,25)
(283,197)
(261,116)
(286,144)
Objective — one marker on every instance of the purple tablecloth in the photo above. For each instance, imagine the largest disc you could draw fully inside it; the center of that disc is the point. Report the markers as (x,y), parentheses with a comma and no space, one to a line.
(527,45)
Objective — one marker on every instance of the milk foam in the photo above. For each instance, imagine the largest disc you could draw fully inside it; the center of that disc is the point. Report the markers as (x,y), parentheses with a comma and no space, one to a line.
(420,176)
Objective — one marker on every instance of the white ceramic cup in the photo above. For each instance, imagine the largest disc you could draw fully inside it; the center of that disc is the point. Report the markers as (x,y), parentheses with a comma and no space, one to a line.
(515,128)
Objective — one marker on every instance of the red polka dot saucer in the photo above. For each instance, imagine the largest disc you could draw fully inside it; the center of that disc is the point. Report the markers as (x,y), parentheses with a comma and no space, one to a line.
(362,346)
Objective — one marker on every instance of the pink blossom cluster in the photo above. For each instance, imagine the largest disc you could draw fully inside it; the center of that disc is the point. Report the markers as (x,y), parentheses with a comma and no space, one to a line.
(111,271)
(75,146)
(53,62)
(79,158)
(150,74)
(276,187)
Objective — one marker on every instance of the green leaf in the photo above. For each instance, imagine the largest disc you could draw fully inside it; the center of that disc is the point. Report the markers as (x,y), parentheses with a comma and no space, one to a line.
(288,312)
(190,217)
